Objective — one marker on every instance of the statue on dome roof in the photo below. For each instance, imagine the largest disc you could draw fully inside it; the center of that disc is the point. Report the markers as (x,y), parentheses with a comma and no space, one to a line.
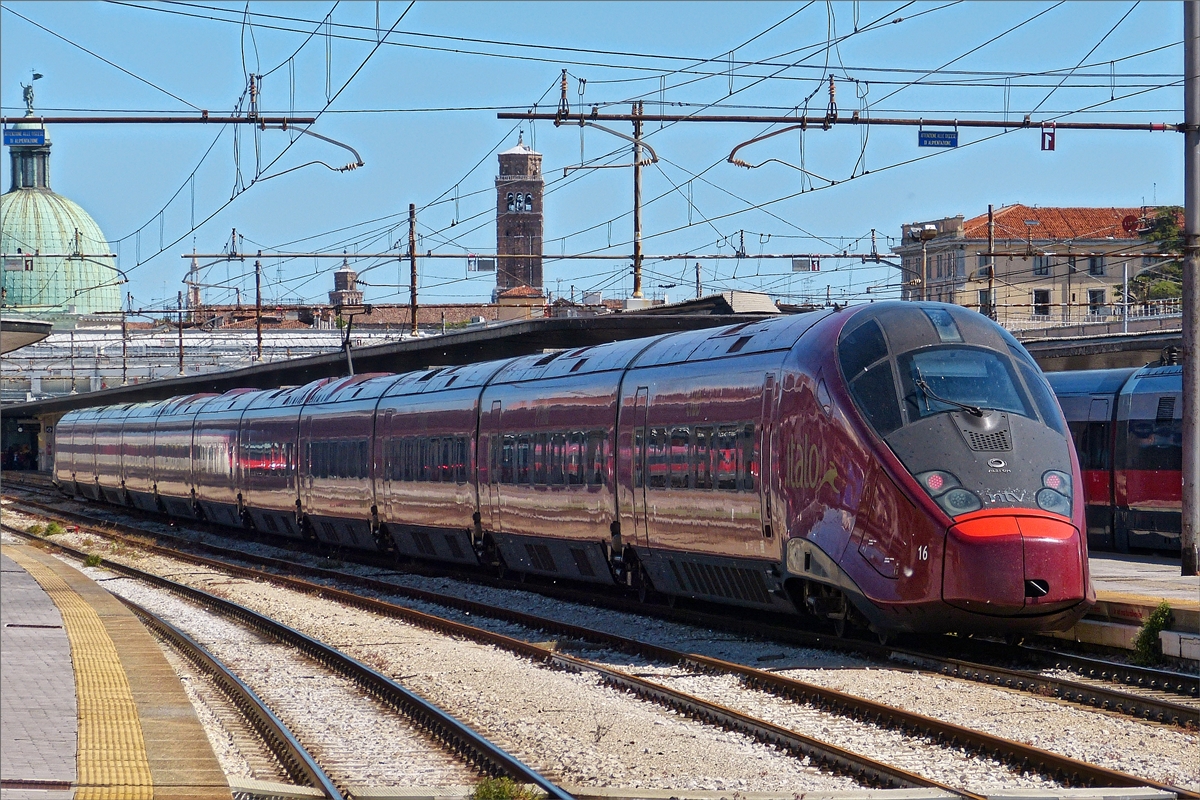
(28,95)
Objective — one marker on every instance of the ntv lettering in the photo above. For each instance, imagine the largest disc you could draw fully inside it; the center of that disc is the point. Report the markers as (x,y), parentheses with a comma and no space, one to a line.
(804,467)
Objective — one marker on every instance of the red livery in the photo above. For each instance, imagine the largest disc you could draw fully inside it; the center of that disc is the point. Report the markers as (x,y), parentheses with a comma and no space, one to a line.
(900,466)
(1128,430)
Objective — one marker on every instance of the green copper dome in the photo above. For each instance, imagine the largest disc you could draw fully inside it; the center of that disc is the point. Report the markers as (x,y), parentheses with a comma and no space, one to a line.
(77,269)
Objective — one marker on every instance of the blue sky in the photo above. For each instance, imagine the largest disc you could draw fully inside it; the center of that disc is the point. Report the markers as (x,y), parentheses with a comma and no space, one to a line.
(421,111)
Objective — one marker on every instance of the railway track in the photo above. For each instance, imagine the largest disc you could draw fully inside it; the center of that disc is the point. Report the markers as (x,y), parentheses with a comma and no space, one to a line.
(292,756)
(1016,754)
(1156,695)
(452,734)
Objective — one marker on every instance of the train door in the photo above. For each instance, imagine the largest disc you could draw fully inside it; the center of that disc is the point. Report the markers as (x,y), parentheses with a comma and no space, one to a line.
(494,466)
(386,461)
(640,409)
(304,467)
(767,428)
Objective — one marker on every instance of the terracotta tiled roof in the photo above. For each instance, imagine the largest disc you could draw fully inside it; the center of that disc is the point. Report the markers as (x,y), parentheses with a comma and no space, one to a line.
(1054,223)
(521,291)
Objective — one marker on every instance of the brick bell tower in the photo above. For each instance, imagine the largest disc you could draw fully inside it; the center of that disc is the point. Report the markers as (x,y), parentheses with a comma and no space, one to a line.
(519,219)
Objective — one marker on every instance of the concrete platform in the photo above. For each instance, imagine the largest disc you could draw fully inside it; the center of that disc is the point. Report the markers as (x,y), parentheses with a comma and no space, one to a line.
(91,708)
(1128,588)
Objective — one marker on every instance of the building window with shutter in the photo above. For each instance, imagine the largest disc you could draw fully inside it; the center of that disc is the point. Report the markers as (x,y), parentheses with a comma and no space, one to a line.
(1096,304)
(1041,265)
(985,302)
(1041,302)
(1096,265)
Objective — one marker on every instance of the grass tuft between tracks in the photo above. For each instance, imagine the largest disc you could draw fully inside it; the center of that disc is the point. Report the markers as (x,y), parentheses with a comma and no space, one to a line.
(1148,646)
(504,789)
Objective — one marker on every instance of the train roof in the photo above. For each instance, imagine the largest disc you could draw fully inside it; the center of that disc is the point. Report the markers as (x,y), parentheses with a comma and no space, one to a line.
(573,361)
(1089,381)
(1153,379)
(760,336)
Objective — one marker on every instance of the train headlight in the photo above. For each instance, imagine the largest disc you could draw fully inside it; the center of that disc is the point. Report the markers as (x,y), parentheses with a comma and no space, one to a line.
(959,501)
(1058,481)
(937,482)
(1052,501)
(1056,497)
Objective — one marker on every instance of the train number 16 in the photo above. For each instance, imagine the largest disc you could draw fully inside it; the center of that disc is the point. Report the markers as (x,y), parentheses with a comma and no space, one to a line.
(923,552)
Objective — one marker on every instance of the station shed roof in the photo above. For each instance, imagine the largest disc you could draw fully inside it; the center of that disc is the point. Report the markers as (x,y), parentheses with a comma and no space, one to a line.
(504,340)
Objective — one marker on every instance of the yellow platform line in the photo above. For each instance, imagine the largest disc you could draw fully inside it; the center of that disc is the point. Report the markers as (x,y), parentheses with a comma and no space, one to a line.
(111,757)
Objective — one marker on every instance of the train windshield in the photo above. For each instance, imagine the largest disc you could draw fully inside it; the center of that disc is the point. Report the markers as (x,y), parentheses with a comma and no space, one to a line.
(959,379)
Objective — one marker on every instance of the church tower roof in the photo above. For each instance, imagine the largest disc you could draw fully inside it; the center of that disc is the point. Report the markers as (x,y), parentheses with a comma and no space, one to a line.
(55,257)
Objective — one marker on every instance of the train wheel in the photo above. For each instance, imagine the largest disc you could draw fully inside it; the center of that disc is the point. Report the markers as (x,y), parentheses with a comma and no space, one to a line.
(839,626)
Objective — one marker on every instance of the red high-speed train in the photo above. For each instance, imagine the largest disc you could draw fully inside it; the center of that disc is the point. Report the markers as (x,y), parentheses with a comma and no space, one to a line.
(902,466)
(1128,430)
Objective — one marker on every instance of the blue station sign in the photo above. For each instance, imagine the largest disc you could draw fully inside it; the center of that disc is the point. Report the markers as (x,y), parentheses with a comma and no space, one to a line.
(937,138)
(24,136)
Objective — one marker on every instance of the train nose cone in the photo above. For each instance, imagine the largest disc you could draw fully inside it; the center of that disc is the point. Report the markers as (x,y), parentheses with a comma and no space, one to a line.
(1006,562)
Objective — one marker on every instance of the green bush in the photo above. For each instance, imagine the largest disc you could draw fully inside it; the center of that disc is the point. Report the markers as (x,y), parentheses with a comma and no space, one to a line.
(503,789)
(1147,646)
(36,529)
(53,529)
(92,561)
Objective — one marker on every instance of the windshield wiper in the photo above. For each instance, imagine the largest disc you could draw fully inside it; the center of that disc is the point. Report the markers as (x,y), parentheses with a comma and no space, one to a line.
(929,393)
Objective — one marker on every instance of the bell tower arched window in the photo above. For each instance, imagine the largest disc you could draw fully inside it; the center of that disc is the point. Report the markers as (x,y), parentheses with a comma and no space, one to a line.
(529,202)
(511,206)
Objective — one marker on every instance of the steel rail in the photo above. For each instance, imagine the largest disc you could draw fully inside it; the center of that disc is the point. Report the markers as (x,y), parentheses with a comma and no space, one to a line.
(1140,706)
(1103,669)
(1085,694)
(1014,753)
(457,736)
(291,754)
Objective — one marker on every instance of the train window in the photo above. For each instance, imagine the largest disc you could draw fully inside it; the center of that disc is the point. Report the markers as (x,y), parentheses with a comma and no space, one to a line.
(861,348)
(508,460)
(1154,445)
(727,458)
(575,453)
(944,324)
(681,443)
(433,472)
(963,374)
(749,458)
(1043,398)
(460,461)
(524,458)
(596,458)
(639,457)
(558,448)
(1092,444)
(703,457)
(875,393)
(539,458)
(447,469)
(656,458)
